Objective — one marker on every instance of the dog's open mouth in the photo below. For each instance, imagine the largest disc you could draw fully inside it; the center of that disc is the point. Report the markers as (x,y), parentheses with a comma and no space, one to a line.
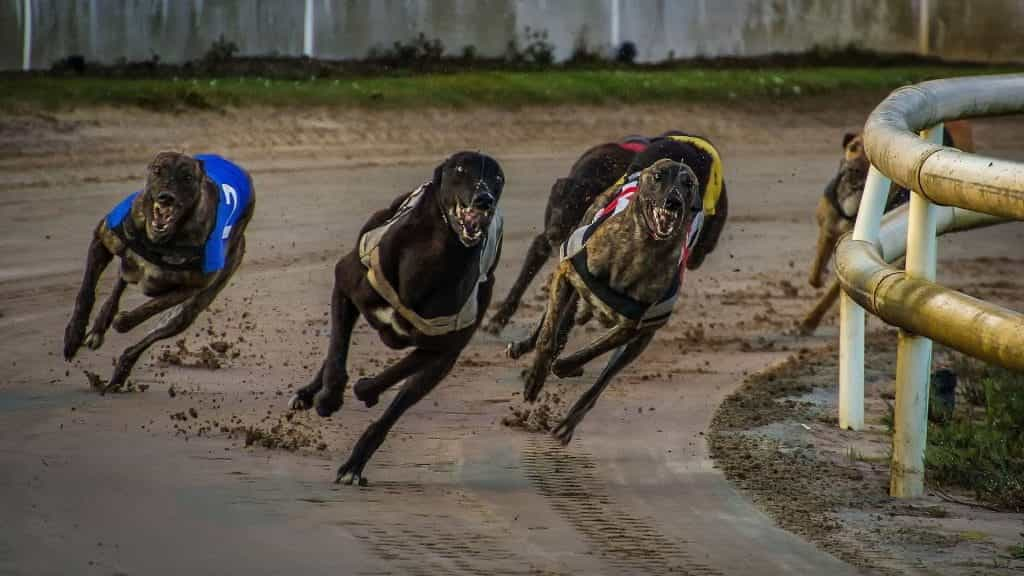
(162,218)
(664,220)
(470,223)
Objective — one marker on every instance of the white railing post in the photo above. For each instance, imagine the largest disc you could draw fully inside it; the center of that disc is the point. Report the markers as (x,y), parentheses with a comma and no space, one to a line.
(307,30)
(26,47)
(851,315)
(914,354)
(614,32)
(923,40)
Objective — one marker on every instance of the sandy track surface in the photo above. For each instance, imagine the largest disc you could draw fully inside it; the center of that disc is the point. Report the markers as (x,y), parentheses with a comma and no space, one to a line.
(179,477)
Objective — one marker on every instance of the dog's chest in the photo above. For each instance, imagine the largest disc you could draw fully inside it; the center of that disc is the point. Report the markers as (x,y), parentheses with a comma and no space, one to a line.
(154,280)
(629,262)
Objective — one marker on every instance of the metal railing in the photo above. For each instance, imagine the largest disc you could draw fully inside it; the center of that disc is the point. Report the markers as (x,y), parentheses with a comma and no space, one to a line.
(975,191)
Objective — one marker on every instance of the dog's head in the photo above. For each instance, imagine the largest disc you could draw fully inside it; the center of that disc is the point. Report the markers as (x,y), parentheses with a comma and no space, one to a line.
(668,197)
(853,170)
(468,186)
(174,186)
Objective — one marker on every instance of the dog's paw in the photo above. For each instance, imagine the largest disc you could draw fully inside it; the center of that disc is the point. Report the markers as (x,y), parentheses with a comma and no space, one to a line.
(94,340)
(297,402)
(122,322)
(118,380)
(563,369)
(516,350)
(351,479)
(350,474)
(366,392)
(327,403)
(563,433)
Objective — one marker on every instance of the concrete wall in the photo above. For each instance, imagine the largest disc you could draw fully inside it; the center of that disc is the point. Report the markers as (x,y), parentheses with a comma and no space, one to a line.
(179,30)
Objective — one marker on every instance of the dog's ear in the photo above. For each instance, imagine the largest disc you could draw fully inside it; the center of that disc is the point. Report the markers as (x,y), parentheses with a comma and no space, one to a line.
(200,174)
(847,137)
(561,190)
(439,173)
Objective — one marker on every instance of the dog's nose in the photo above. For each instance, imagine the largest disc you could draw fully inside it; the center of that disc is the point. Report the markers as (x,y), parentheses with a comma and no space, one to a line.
(165,198)
(483,201)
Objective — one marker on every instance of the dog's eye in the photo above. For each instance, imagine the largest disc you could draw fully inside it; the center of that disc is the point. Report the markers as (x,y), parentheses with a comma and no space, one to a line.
(188,178)
(460,170)
(156,170)
(657,176)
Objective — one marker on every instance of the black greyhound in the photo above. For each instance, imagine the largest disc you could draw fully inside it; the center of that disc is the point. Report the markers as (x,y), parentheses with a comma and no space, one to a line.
(422,275)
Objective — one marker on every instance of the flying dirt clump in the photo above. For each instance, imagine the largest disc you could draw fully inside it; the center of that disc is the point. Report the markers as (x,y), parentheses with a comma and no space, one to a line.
(210,356)
(542,416)
(286,433)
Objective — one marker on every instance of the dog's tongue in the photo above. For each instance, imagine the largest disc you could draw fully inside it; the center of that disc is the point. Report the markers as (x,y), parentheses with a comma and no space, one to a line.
(664,222)
(472,221)
(161,216)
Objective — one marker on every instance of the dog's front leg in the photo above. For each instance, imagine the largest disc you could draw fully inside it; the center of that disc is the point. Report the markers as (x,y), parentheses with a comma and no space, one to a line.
(330,396)
(97,260)
(103,320)
(368,390)
(414,389)
(622,358)
(125,321)
(572,365)
(560,294)
(518,348)
(175,322)
(827,236)
(538,254)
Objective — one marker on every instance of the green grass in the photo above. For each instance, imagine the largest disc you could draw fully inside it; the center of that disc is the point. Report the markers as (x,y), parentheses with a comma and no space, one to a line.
(982,450)
(473,88)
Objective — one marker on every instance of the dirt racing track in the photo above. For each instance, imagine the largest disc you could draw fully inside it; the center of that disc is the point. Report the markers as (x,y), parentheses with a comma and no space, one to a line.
(201,469)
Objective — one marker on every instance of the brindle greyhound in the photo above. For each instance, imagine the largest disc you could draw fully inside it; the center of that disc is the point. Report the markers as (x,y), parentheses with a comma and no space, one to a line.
(180,239)
(700,157)
(422,275)
(697,153)
(596,170)
(626,265)
(838,206)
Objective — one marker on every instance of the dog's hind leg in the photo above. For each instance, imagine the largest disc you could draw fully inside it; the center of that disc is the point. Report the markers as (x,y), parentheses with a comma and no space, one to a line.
(125,321)
(622,358)
(414,389)
(538,254)
(560,296)
(103,320)
(368,390)
(74,334)
(176,321)
(572,365)
(331,394)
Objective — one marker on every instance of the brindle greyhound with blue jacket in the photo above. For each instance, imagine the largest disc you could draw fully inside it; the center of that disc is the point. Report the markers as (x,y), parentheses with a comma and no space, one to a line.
(180,239)
(421,274)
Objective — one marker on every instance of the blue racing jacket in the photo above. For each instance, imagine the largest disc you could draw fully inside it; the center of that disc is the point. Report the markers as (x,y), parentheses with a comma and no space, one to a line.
(236,194)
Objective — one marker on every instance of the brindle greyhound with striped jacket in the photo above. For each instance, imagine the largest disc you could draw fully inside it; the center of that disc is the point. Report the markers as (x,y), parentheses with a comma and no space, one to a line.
(625,265)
